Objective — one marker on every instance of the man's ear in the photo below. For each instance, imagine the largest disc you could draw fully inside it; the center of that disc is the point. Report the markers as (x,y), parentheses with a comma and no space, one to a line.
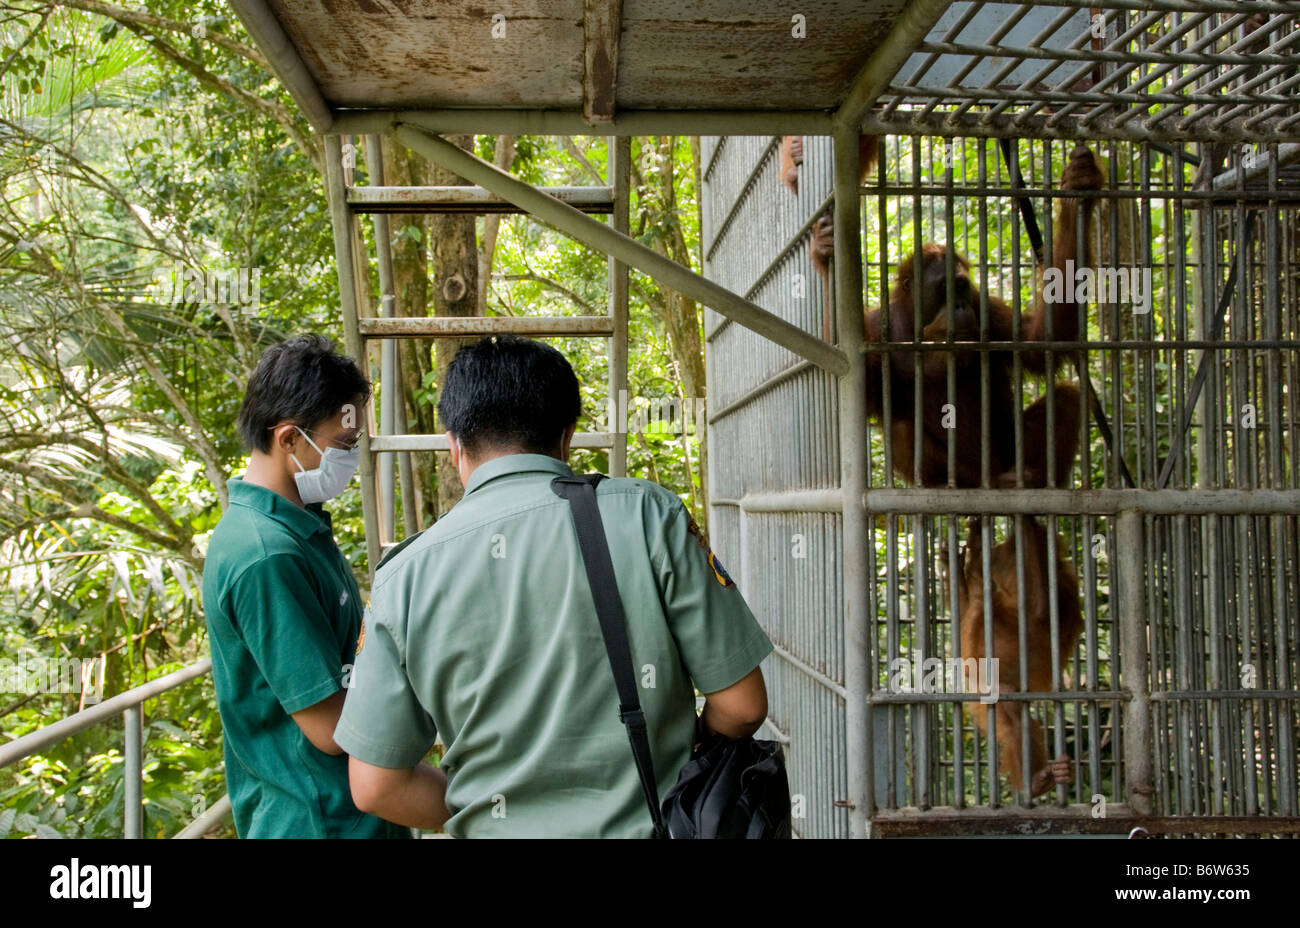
(286,437)
(564,442)
(454,448)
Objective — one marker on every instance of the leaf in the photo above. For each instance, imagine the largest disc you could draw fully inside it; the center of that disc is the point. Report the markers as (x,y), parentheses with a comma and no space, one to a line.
(45,831)
(121,566)
(7,821)
(171,728)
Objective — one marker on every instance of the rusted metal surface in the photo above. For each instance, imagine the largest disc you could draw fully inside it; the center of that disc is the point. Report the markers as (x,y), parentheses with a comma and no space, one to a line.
(911,822)
(602,22)
(687,54)
(626,122)
(460,326)
(1166,70)
(1080,819)
(1188,597)
(679,54)
(423,53)
(1118,820)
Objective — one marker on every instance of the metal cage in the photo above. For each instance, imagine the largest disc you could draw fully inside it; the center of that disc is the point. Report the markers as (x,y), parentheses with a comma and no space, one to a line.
(1176,705)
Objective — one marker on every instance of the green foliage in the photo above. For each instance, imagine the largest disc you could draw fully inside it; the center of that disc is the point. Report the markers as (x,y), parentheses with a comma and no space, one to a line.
(121,170)
(119,403)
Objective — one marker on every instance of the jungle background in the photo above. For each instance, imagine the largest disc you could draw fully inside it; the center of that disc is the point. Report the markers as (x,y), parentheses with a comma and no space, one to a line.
(140,147)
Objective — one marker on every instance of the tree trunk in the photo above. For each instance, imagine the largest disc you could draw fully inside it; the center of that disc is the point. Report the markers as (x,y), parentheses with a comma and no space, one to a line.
(411,287)
(679,315)
(682,316)
(503,157)
(455,293)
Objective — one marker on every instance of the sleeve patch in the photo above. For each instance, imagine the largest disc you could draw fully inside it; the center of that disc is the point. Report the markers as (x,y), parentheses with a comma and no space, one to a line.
(719,573)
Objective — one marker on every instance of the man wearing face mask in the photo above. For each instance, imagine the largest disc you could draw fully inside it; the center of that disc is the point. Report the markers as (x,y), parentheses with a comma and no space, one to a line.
(283,609)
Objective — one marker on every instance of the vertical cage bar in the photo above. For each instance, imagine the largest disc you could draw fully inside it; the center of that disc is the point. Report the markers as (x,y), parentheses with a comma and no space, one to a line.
(1131,582)
(853,462)
(132,771)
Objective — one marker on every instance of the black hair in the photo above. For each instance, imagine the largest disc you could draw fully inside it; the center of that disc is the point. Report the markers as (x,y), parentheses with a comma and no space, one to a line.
(302,380)
(507,392)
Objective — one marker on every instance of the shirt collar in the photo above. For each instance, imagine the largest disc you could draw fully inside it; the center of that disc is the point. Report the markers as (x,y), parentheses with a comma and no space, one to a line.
(516,464)
(303,522)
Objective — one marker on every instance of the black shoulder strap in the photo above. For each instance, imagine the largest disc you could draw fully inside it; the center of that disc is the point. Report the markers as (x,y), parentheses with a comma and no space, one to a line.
(581,494)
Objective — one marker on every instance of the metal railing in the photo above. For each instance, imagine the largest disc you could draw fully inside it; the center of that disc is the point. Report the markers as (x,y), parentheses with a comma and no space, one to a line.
(131,707)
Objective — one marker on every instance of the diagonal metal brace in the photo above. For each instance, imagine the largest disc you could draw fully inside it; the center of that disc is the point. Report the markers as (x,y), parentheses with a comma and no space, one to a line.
(564,218)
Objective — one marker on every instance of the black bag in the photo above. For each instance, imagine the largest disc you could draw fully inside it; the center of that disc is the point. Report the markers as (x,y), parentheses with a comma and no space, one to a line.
(728,789)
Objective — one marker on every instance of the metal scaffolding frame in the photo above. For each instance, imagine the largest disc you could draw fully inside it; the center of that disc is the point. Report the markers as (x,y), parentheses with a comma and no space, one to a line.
(1204,79)
(378,488)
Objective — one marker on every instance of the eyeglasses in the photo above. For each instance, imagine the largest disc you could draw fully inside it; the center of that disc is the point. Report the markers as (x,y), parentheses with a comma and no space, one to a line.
(333,441)
(352,447)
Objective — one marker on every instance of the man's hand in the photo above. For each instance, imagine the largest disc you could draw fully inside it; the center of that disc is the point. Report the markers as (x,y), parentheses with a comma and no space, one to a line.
(413,796)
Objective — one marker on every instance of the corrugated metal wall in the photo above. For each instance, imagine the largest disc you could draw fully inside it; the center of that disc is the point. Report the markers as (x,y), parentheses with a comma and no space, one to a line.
(773,429)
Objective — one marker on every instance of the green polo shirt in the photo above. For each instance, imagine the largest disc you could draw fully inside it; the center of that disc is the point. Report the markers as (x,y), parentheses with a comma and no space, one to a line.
(283,614)
(482,632)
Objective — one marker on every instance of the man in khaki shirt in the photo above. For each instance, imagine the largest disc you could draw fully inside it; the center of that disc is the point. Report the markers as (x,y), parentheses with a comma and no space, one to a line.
(482,630)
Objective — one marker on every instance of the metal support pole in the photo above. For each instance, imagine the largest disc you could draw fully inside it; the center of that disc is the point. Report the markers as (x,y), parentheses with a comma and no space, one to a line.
(387,349)
(571,222)
(133,810)
(620,170)
(345,261)
(405,473)
(853,483)
(1131,612)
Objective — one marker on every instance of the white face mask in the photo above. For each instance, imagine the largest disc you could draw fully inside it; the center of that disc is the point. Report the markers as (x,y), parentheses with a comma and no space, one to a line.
(328,479)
